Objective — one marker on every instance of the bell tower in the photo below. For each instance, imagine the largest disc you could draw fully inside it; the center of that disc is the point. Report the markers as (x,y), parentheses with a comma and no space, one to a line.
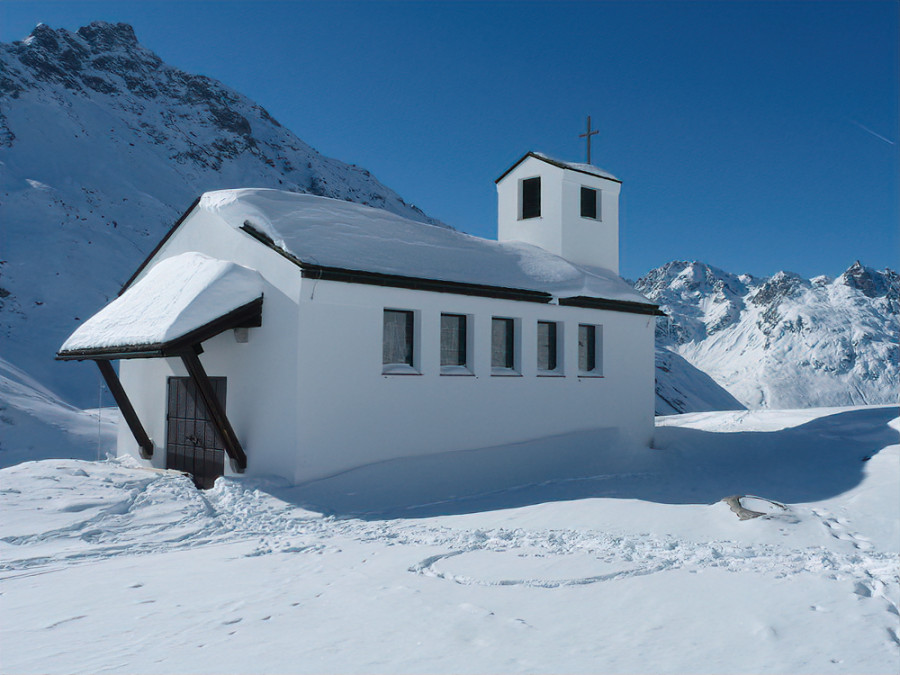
(568,209)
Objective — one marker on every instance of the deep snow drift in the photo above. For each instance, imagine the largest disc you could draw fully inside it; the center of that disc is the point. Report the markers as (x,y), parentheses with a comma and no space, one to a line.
(106,567)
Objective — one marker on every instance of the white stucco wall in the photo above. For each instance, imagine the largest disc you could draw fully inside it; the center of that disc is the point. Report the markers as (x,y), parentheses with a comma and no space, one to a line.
(352,414)
(560,229)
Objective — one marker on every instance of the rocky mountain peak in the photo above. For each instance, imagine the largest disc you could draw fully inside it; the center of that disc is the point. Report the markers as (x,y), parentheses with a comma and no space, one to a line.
(784,341)
(103,146)
(106,36)
(689,279)
(780,285)
(872,283)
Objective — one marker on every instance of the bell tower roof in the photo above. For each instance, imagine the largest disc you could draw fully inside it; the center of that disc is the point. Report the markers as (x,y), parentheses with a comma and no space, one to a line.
(588,169)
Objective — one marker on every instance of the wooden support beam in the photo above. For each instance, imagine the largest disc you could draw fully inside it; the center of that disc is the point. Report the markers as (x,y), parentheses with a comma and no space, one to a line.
(229,439)
(118,392)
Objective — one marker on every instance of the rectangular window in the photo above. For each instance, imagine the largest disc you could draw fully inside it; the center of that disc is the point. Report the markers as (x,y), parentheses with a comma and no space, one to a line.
(503,343)
(588,203)
(531,198)
(546,345)
(397,348)
(453,340)
(590,349)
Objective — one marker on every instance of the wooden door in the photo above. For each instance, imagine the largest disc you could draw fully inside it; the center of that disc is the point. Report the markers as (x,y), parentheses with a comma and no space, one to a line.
(192,443)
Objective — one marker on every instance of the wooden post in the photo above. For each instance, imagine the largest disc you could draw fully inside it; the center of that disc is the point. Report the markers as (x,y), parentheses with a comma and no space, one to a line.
(223,426)
(131,418)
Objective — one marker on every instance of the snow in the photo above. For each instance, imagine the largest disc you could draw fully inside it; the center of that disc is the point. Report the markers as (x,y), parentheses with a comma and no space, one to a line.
(341,234)
(680,387)
(108,567)
(576,166)
(176,296)
(35,423)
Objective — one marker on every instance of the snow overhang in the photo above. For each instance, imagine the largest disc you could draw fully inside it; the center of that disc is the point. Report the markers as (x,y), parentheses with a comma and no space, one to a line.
(181,302)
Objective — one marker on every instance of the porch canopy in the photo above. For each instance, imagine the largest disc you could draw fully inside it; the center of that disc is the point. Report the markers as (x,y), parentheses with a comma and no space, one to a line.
(180,302)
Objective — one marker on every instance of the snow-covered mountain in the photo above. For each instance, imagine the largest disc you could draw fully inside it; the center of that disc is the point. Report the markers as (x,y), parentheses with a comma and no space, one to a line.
(102,147)
(784,341)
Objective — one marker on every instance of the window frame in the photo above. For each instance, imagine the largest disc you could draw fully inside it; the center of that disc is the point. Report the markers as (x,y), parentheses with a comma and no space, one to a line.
(598,212)
(558,341)
(513,343)
(597,370)
(464,368)
(530,180)
(410,367)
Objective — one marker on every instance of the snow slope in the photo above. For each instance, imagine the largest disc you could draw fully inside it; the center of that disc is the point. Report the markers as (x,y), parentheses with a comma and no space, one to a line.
(784,342)
(36,424)
(102,147)
(680,387)
(106,567)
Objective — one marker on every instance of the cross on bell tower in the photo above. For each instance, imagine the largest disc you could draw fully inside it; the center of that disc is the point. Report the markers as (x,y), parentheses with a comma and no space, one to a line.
(588,137)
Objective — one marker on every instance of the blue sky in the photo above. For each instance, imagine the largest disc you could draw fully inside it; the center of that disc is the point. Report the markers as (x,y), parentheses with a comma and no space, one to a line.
(755,136)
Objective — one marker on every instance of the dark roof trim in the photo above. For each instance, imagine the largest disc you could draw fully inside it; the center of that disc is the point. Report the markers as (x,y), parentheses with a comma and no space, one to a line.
(626,306)
(159,246)
(554,163)
(245,316)
(326,273)
(416,284)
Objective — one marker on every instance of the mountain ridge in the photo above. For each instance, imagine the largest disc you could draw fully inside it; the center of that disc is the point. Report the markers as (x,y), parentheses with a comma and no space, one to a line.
(784,341)
(102,147)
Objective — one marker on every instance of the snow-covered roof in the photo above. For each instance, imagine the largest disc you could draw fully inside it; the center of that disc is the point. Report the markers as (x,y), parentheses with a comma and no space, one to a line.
(177,296)
(572,166)
(576,166)
(338,234)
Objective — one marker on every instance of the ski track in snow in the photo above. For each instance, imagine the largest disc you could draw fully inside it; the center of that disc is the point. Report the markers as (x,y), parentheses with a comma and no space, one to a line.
(152,513)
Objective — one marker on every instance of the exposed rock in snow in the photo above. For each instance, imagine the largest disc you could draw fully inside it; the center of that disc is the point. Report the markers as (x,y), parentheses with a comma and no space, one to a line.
(102,147)
(783,341)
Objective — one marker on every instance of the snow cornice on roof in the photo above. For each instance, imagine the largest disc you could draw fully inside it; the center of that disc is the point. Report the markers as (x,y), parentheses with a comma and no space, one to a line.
(588,169)
(181,302)
(342,241)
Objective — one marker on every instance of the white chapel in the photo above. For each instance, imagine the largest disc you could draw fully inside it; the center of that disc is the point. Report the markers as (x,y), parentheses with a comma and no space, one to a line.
(275,333)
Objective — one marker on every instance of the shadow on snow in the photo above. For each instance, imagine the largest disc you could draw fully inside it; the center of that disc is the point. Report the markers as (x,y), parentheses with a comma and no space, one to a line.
(809,462)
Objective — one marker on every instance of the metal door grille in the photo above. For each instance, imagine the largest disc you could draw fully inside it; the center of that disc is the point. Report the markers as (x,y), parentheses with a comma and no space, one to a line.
(192,443)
